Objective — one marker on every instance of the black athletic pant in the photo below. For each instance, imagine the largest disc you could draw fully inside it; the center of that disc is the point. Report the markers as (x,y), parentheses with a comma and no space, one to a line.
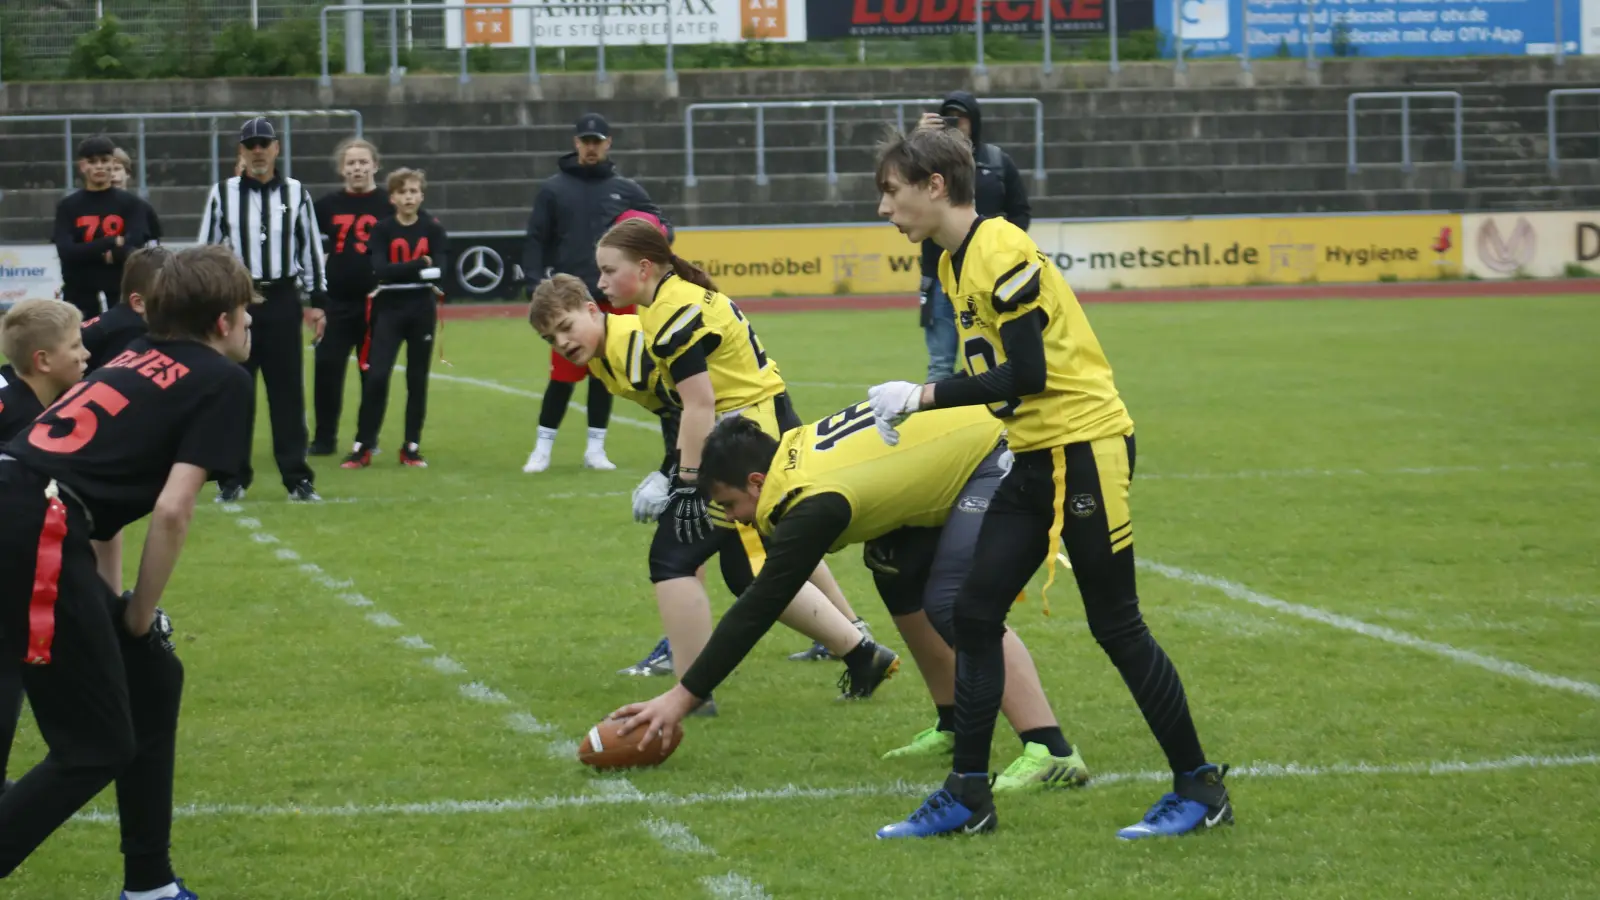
(557,394)
(1082,489)
(87,300)
(410,319)
(277,351)
(10,708)
(106,703)
(347,328)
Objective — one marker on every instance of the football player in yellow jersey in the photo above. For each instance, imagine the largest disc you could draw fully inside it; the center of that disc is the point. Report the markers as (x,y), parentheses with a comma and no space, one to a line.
(612,347)
(710,360)
(916,507)
(1033,360)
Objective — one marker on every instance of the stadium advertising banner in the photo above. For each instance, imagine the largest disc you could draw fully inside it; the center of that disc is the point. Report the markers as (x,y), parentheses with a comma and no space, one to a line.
(1589,19)
(28,271)
(1372,27)
(876,259)
(577,23)
(902,18)
(1531,245)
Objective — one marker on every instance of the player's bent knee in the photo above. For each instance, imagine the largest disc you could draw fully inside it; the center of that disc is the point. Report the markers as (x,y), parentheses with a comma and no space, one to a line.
(977,630)
(1114,635)
(942,617)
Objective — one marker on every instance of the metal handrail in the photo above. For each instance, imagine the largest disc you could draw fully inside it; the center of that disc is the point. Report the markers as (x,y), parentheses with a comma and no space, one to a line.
(1550,119)
(213,115)
(829,106)
(1405,98)
(533,9)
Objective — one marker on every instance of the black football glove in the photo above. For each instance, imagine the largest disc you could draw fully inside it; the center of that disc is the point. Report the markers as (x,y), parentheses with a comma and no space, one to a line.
(686,507)
(160,634)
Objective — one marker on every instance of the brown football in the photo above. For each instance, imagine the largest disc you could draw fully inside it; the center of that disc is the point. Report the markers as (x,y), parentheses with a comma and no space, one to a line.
(603,749)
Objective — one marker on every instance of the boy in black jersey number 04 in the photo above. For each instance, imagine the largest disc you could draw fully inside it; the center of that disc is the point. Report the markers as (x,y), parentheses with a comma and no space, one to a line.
(137,438)
(1032,359)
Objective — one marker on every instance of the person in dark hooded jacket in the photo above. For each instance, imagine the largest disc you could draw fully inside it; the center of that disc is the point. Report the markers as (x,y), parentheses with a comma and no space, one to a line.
(1000,192)
(574,208)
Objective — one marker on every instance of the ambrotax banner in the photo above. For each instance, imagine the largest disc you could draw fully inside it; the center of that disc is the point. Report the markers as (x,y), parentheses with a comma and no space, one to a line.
(578,23)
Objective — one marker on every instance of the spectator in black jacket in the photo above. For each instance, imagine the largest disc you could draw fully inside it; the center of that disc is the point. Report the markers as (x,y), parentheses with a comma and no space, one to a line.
(574,208)
(95,230)
(1000,192)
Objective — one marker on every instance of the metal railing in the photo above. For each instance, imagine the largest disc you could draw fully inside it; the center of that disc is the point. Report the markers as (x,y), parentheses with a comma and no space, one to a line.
(1550,119)
(761,107)
(1405,98)
(532,10)
(286,133)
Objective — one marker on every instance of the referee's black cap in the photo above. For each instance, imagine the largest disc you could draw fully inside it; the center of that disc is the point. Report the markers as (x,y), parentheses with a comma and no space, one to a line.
(97,145)
(259,128)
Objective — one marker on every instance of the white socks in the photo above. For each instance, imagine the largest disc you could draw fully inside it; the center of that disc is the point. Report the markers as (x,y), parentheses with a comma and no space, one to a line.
(547,439)
(164,893)
(597,441)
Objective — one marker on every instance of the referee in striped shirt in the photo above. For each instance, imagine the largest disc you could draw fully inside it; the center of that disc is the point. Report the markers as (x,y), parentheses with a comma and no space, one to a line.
(267,219)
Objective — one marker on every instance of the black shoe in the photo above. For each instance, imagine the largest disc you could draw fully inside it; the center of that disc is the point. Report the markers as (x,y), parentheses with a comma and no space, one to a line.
(6,786)
(859,685)
(230,493)
(304,493)
(320,448)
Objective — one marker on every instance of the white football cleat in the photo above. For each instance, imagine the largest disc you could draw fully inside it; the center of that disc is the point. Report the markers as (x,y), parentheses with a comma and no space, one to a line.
(538,461)
(596,459)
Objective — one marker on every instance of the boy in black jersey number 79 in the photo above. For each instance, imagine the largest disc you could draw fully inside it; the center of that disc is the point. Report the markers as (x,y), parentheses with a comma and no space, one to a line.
(139,437)
(1032,359)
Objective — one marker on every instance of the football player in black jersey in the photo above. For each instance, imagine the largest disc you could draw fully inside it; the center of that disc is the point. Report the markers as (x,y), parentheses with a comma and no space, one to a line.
(346,218)
(138,438)
(42,340)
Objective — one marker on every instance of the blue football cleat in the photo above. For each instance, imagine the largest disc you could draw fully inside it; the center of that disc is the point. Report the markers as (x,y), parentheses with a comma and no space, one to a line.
(657,662)
(963,806)
(1198,800)
(183,893)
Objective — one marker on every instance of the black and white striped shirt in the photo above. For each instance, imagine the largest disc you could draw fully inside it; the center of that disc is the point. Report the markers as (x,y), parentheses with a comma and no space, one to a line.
(271,226)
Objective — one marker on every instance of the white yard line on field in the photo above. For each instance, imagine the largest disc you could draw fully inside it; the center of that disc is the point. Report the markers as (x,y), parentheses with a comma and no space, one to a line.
(674,836)
(1378,632)
(531,395)
(789,793)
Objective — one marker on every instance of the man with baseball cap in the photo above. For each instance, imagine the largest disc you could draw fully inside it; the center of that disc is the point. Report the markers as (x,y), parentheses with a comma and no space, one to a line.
(95,230)
(574,208)
(268,221)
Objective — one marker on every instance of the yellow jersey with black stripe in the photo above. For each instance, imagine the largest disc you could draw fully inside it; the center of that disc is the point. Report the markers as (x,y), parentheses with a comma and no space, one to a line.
(626,368)
(913,483)
(684,315)
(997,275)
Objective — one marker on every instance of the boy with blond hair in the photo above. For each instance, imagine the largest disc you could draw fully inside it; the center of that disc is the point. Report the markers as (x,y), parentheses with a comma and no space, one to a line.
(42,344)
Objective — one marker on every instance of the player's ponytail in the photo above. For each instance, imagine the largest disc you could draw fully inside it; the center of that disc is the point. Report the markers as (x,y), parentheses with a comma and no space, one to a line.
(735,448)
(638,239)
(692,273)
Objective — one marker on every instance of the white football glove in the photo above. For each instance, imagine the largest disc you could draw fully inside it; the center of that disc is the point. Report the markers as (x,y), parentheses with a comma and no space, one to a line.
(892,402)
(650,497)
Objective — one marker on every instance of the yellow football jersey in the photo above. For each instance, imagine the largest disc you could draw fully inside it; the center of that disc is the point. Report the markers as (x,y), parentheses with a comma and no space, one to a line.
(684,315)
(998,275)
(624,366)
(913,483)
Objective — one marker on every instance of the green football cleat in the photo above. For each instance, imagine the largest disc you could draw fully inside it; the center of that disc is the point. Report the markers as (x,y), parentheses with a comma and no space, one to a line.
(1036,770)
(928,743)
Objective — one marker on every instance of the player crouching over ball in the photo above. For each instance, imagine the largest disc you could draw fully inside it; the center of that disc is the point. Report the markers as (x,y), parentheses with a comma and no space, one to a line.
(917,507)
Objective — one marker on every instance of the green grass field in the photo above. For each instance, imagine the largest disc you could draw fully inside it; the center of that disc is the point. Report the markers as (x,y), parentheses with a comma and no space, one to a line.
(1370,540)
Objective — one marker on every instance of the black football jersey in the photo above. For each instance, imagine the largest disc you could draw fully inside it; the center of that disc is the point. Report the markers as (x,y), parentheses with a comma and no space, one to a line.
(346,221)
(108,334)
(115,436)
(18,405)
